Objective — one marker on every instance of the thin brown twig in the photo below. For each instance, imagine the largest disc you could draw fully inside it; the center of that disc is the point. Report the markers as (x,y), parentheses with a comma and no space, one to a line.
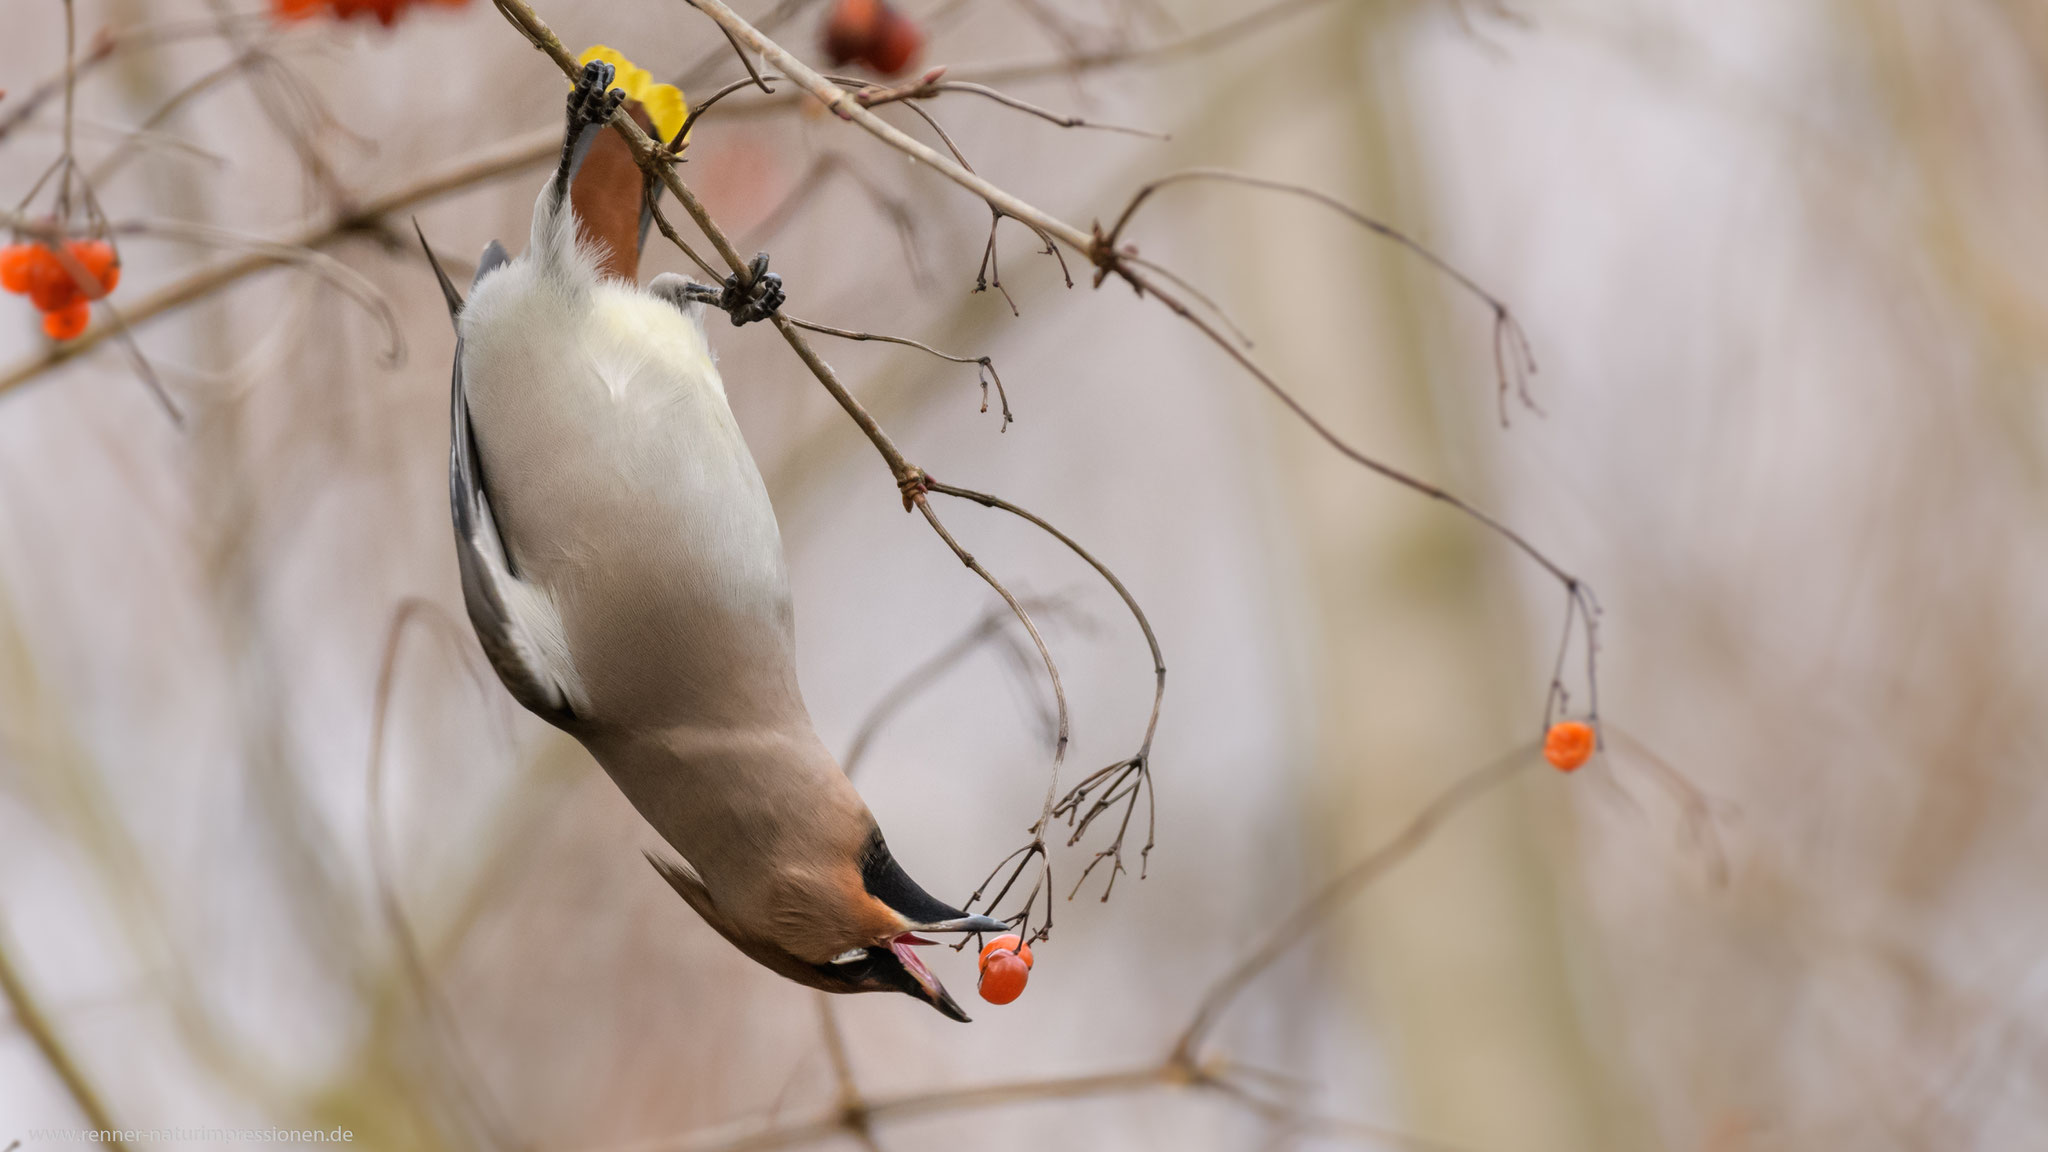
(921,678)
(1138,768)
(746,61)
(1333,894)
(814,180)
(440,1014)
(70,99)
(490,164)
(930,86)
(987,365)
(28,1014)
(1059,751)
(698,110)
(1514,359)
(524,152)
(106,45)
(1579,595)
(114,160)
(1102,251)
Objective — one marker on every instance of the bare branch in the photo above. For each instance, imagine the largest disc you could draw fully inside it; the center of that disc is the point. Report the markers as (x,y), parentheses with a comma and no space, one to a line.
(1514,360)
(1137,770)
(988,366)
(28,1014)
(916,681)
(1347,884)
(440,1015)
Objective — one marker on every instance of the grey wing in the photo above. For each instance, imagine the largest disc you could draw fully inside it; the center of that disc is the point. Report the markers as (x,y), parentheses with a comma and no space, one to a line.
(516,622)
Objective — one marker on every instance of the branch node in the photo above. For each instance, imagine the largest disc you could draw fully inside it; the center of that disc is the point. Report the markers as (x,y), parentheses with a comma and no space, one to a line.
(914,483)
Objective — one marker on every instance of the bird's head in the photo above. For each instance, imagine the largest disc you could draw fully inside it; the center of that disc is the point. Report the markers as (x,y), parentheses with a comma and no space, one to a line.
(894,916)
(846,920)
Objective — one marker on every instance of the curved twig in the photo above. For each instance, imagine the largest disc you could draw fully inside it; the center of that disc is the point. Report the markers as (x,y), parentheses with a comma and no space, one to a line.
(1126,778)
(987,365)
(919,679)
(1330,896)
(433,1004)
(1514,359)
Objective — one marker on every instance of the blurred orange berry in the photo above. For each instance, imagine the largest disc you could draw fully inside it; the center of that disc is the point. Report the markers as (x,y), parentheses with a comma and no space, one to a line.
(386,12)
(67,322)
(99,260)
(873,33)
(15,261)
(50,284)
(1003,976)
(1569,744)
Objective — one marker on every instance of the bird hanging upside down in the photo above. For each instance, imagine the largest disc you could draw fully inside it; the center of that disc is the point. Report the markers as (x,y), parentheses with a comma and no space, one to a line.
(623,569)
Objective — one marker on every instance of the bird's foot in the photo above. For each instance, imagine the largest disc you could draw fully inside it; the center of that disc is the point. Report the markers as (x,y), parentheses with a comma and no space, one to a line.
(593,99)
(748,295)
(754,293)
(591,104)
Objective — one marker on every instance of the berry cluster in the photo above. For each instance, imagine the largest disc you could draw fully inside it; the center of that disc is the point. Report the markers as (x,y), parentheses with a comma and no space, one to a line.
(1005,966)
(36,270)
(872,33)
(387,12)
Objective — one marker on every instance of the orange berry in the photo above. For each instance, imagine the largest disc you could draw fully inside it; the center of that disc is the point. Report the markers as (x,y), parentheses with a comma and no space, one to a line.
(67,322)
(896,45)
(99,260)
(852,26)
(50,284)
(1010,944)
(1003,976)
(872,33)
(1569,744)
(15,262)
(296,9)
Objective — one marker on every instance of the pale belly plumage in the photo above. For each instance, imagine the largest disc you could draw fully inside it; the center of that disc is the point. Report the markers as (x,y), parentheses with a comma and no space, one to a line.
(622,487)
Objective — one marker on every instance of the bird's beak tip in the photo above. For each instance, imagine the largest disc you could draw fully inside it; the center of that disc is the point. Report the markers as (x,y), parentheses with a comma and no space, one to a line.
(950,1007)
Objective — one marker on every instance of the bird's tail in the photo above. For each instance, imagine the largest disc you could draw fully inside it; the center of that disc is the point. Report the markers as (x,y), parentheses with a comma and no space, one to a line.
(448,292)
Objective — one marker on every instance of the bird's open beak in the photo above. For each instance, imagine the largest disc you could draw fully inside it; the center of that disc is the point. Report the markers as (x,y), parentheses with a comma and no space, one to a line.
(928,984)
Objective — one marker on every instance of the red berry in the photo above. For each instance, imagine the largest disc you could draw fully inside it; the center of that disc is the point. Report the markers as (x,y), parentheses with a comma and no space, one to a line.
(1003,976)
(50,284)
(896,45)
(99,260)
(1569,744)
(67,322)
(15,261)
(872,33)
(1007,943)
(852,26)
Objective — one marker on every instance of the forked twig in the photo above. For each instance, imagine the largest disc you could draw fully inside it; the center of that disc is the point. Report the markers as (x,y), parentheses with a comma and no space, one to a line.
(1513,358)
(987,365)
(1126,779)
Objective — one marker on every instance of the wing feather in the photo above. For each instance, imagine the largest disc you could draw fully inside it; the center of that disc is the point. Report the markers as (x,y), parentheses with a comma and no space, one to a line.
(515,621)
